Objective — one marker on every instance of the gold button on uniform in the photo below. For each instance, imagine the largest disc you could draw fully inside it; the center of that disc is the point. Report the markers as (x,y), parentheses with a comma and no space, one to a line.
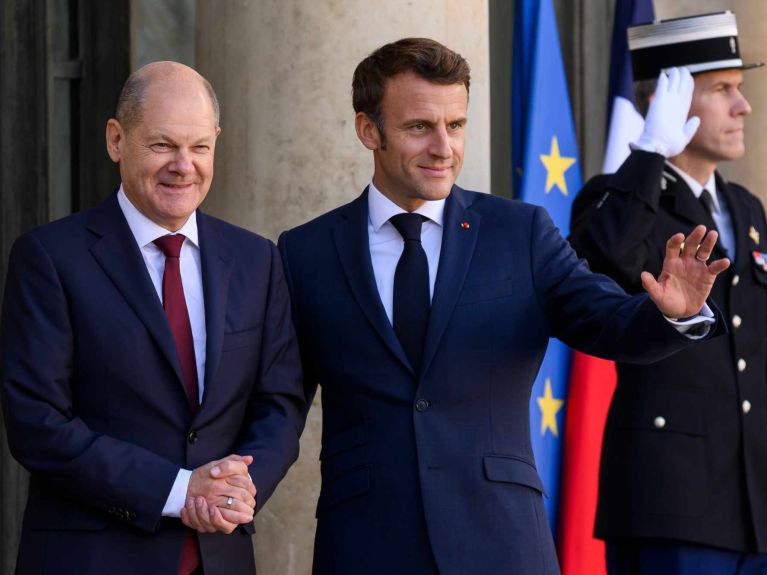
(745,406)
(736,321)
(659,422)
(741,364)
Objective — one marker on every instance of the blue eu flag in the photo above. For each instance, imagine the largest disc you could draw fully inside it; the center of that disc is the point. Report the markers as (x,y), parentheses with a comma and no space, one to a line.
(546,173)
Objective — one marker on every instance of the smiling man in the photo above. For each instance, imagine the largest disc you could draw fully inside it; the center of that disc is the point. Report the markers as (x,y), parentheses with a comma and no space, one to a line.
(684,463)
(150,374)
(424,310)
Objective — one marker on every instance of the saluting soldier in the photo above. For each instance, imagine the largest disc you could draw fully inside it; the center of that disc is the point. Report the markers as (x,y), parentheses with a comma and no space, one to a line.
(683,480)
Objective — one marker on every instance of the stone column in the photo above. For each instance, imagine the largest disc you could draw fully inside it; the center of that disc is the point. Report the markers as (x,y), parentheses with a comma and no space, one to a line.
(749,170)
(288,151)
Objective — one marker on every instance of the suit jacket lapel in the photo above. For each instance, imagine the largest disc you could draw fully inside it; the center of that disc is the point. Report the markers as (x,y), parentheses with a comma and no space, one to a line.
(458,243)
(353,246)
(119,256)
(217,261)
(680,200)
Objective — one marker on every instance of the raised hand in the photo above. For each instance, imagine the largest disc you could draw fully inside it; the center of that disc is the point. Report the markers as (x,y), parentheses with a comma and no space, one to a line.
(667,130)
(686,279)
(220,495)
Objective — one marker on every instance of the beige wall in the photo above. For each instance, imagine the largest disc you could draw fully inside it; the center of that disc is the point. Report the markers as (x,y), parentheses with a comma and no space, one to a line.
(288,151)
(283,71)
(751,15)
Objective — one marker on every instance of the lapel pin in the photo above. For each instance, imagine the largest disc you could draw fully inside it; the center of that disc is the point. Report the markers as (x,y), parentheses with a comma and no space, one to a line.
(753,234)
(465,225)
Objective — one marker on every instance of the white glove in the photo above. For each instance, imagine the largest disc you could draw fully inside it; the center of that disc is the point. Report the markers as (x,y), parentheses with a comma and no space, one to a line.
(667,131)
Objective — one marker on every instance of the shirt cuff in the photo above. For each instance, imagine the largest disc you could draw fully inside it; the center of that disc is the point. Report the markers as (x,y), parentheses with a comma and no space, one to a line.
(697,326)
(177,496)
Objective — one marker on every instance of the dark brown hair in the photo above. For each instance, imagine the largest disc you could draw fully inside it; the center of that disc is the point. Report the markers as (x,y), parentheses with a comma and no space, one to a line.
(424,57)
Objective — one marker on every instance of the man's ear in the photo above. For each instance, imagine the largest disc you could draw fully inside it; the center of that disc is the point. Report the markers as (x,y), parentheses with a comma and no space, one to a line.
(115,140)
(367,131)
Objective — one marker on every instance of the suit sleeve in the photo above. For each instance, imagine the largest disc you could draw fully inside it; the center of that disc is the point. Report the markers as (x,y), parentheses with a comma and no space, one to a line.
(613,218)
(277,408)
(590,312)
(310,374)
(44,433)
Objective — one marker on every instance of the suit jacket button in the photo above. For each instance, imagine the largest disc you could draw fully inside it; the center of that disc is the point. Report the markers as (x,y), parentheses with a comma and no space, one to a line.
(192,437)
(736,321)
(659,422)
(735,280)
(746,406)
(741,364)
(422,404)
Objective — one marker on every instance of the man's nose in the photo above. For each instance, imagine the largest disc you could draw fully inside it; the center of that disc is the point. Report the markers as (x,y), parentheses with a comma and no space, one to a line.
(440,143)
(741,107)
(182,163)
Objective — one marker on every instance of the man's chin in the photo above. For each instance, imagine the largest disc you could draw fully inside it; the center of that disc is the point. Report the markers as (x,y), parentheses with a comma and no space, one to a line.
(433,194)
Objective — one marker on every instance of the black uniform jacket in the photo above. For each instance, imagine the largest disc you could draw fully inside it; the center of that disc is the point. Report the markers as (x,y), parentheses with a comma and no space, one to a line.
(685,446)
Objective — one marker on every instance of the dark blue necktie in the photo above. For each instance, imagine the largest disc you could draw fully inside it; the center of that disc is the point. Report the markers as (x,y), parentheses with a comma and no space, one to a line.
(411,288)
(707,200)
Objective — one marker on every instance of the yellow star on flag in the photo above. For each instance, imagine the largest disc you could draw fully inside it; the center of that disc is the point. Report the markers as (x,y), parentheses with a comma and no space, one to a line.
(549,407)
(556,166)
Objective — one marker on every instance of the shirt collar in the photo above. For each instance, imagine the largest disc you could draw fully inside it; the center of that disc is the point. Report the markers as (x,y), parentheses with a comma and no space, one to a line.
(381,208)
(696,187)
(145,230)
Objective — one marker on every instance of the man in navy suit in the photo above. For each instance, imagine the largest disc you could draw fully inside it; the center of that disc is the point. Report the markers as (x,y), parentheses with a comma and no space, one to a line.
(149,389)
(424,311)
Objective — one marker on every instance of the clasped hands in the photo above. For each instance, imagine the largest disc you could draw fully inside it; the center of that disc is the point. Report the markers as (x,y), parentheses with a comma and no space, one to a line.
(211,487)
(686,279)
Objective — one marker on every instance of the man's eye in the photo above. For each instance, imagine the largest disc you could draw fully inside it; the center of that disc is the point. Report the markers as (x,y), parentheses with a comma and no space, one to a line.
(160,146)
(419,126)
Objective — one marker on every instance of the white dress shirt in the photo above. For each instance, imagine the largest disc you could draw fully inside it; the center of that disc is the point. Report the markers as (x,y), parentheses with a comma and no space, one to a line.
(386,243)
(720,213)
(145,231)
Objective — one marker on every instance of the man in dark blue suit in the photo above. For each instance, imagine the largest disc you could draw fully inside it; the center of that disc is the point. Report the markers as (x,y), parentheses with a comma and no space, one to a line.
(424,311)
(143,342)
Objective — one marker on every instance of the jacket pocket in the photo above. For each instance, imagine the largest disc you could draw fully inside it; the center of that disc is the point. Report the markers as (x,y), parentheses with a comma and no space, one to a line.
(510,469)
(238,339)
(473,293)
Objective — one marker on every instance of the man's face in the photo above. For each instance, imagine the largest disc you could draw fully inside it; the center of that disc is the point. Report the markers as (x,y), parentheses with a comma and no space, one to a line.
(721,107)
(166,160)
(420,154)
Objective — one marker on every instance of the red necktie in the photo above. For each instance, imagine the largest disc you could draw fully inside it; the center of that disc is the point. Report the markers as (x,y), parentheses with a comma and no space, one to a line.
(174,303)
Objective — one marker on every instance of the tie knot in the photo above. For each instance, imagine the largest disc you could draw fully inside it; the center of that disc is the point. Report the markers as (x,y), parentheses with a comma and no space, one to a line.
(170,245)
(408,225)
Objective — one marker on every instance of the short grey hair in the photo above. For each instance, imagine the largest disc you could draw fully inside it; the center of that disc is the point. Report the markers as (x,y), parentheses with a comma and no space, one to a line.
(130,112)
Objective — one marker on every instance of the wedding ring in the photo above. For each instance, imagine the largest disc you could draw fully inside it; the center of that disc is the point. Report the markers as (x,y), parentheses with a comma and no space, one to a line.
(229,502)
(700,259)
